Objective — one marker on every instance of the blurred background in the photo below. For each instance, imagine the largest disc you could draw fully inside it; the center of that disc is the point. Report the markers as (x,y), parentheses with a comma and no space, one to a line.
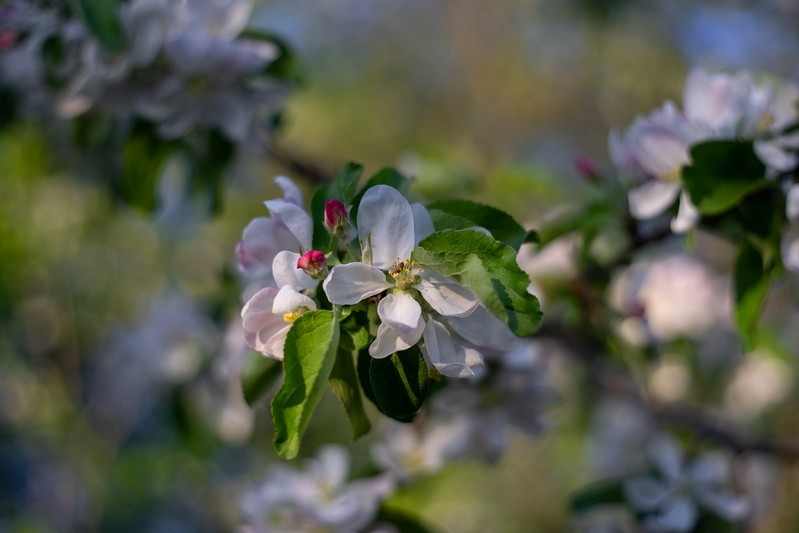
(120,349)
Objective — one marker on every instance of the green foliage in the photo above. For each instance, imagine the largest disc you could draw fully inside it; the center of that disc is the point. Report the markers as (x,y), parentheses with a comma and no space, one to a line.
(751,286)
(403,521)
(721,174)
(143,158)
(309,356)
(342,188)
(487,267)
(397,385)
(258,375)
(100,17)
(464,214)
(344,383)
(600,493)
(285,66)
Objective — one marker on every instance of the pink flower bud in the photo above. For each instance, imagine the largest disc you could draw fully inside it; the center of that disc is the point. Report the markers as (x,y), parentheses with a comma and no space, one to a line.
(336,217)
(312,262)
(587,167)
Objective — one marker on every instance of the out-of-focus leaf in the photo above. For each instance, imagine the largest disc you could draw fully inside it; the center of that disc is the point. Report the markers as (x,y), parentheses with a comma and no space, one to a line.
(258,375)
(344,383)
(101,18)
(590,218)
(751,287)
(309,356)
(600,493)
(722,173)
(487,267)
(465,214)
(406,523)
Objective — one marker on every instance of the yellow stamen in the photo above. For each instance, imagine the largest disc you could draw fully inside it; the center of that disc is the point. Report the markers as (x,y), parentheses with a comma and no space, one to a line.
(292,316)
(405,273)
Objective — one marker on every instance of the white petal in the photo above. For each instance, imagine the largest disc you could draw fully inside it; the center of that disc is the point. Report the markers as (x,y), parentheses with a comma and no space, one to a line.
(678,516)
(724,503)
(386,218)
(645,493)
(789,248)
(422,222)
(792,204)
(390,340)
(687,215)
(652,198)
(661,152)
(260,323)
(331,466)
(708,469)
(666,455)
(440,352)
(291,192)
(295,218)
(289,300)
(275,344)
(446,296)
(349,284)
(400,311)
(285,271)
(484,330)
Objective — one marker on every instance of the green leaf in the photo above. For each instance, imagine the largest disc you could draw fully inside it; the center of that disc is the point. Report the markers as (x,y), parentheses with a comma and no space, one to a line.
(532,237)
(600,493)
(344,383)
(464,214)
(590,218)
(144,156)
(487,267)
(721,173)
(355,331)
(309,356)
(100,17)
(403,521)
(258,375)
(386,176)
(342,188)
(398,384)
(751,287)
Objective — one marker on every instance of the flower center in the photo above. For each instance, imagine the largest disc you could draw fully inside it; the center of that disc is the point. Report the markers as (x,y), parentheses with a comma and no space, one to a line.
(294,315)
(405,273)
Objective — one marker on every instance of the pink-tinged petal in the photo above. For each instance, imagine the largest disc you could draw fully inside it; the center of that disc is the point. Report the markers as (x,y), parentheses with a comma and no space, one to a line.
(349,284)
(440,352)
(260,323)
(422,222)
(661,153)
(687,215)
(289,300)
(484,330)
(291,193)
(400,312)
(716,101)
(286,273)
(652,198)
(295,218)
(273,346)
(385,218)
(390,340)
(446,296)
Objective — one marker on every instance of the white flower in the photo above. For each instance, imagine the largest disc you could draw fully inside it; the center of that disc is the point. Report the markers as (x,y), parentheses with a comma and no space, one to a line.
(409,450)
(673,498)
(789,248)
(289,228)
(320,496)
(389,228)
(268,316)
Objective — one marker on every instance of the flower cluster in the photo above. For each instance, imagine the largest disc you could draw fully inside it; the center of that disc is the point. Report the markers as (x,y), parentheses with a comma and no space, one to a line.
(655,148)
(182,65)
(415,305)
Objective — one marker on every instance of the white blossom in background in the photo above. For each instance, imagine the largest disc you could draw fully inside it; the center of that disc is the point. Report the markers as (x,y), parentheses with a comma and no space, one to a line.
(409,450)
(789,248)
(318,497)
(389,228)
(670,297)
(674,497)
(653,150)
(514,394)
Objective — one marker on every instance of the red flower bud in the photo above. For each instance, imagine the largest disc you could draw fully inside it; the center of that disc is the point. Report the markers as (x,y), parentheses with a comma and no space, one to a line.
(587,167)
(312,262)
(336,217)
